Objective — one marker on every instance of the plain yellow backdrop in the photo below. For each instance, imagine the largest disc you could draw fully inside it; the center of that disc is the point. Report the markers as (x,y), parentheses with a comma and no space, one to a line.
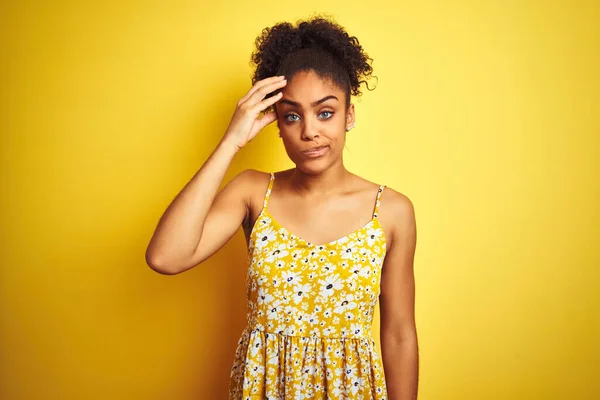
(485,115)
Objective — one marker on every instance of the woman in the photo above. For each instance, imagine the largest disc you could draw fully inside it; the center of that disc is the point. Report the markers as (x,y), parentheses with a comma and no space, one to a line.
(324,244)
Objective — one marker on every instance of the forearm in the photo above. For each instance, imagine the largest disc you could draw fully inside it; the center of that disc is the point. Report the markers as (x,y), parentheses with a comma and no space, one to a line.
(180,227)
(401,367)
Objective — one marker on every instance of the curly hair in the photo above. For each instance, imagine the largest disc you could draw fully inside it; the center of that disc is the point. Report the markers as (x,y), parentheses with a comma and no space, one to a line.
(318,44)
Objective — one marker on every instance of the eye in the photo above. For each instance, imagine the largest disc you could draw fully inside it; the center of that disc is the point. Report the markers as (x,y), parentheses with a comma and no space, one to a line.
(287,117)
(294,117)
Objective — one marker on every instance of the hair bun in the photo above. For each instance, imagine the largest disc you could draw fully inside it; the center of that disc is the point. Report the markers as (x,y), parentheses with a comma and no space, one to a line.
(317,44)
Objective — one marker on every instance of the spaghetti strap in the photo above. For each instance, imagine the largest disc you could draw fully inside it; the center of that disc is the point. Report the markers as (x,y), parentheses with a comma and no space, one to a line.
(269,188)
(378,201)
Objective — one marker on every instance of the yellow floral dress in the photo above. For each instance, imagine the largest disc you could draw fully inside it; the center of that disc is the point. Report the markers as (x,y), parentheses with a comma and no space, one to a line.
(310,310)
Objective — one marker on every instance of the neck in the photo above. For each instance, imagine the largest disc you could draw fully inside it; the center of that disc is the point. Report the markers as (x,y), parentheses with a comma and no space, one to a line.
(321,184)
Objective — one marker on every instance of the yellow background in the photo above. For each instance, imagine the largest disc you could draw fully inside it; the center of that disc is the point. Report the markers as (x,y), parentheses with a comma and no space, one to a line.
(485,115)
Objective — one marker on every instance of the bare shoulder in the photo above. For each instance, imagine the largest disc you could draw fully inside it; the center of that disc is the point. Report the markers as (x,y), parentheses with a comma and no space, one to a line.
(251,182)
(261,178)
(397,213)
(396,202)
(252,185)
(392,201)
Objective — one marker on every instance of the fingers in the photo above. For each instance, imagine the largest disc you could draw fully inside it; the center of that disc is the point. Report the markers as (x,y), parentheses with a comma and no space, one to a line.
(265,120)
(260,84)
(260,94)
(264,104)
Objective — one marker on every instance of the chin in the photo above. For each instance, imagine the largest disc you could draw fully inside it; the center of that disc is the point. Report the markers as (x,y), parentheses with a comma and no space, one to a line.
(313,167)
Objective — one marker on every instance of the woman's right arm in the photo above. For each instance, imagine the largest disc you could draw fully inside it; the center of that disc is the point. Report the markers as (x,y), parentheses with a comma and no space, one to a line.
(201,220)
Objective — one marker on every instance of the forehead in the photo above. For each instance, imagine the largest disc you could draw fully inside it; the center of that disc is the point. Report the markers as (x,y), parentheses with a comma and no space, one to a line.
(307,86)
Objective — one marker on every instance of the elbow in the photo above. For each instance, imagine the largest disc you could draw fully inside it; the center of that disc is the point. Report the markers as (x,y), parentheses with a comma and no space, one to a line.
(162,267)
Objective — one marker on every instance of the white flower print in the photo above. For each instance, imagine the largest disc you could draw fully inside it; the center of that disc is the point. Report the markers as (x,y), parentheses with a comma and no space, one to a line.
(329,331)
(263,296)
(350,372)
(364,272)
(291,277)
(356,329)
(343,239)
(328,268)
(274,309)
(290,312)
(277,253)
(265,236)
(273,357)
(289,330)
(330,284)
(356,384)
(280,328)
(338,388)
(257,370)
(346,304)
(261,280)
(312,319)
(300,291)
(256,348)
(373,234)
(349,251)
(296,254)
(313,254)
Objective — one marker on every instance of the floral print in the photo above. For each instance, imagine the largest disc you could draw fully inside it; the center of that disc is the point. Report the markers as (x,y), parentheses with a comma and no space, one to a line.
(310,310)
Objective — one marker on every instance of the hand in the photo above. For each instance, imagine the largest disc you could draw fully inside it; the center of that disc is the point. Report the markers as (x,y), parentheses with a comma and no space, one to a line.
(244,124)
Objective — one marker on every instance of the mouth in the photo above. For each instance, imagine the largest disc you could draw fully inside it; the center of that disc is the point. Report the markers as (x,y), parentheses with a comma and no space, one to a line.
(315,151)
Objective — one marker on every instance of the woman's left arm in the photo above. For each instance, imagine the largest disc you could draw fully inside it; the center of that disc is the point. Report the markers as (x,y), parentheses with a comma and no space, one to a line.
(399,346)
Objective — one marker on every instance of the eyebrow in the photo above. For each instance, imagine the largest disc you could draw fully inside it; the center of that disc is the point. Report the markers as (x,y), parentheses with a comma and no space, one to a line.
(314,103)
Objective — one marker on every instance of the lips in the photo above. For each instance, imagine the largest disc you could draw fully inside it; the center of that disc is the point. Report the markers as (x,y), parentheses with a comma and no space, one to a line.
(314,149)
(316,152)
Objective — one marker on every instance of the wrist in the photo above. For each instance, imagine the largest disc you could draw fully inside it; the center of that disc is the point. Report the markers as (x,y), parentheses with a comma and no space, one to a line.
(228,146)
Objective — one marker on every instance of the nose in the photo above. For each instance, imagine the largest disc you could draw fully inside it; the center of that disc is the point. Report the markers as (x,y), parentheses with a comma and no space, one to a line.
(309,131)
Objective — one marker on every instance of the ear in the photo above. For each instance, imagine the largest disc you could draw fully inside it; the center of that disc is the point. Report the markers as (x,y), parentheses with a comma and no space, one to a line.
(350,116)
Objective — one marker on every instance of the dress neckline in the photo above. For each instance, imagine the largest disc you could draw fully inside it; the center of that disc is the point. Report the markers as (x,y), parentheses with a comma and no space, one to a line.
(265,212)
(344,238)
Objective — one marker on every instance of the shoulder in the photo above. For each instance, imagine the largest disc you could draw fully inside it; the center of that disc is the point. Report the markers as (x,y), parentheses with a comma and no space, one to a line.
(252,184)
(397,213)
(254,181)
(396,202)
(249,181)
(392,201)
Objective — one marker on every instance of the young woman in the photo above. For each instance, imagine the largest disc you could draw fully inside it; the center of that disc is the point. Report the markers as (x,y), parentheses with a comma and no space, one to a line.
(324,245)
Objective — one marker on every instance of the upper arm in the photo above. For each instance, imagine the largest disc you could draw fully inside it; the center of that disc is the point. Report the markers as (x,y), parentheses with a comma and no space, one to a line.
(397,297)
(228,211)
